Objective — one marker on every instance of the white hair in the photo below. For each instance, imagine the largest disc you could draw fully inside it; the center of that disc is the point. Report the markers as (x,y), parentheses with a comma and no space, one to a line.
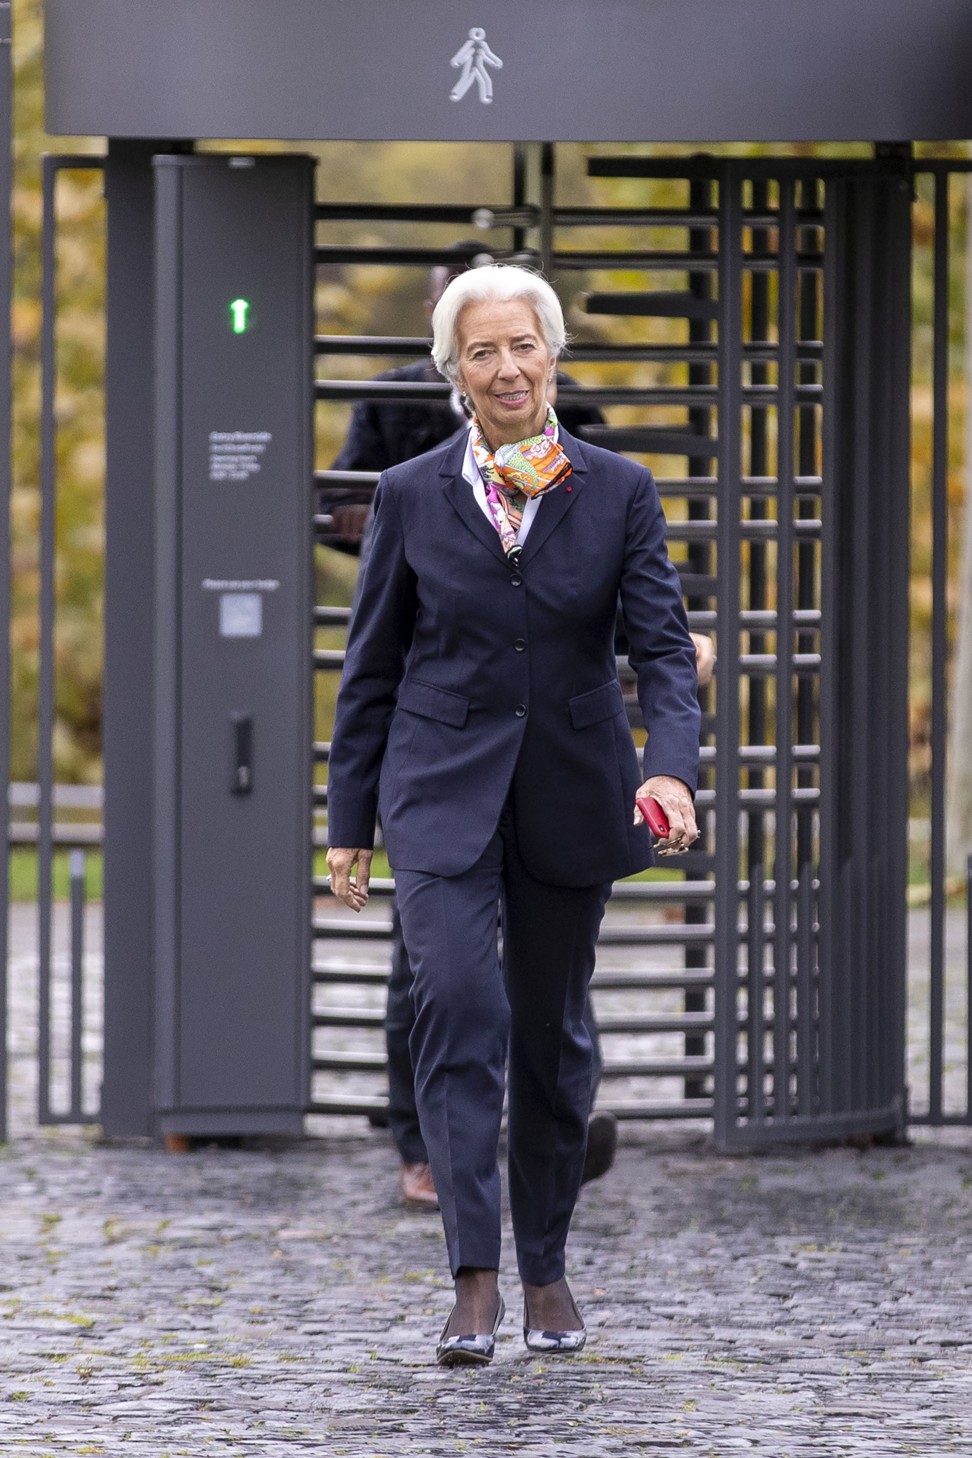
(493,283)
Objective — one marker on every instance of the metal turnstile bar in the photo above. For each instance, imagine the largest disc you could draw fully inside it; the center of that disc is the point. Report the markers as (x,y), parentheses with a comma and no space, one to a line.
(526,216)
(382,390)
(349,1063)
(761,529)
(374,974)
(689,1108)
(665,893)
(500,215)
(692,1109)
(764,620)
(667,395)
(763,754)
(350,1017)
(670,217)
(650,305)
(672,262)
(752,486)
(587,351)
(685,1065)
(336,255)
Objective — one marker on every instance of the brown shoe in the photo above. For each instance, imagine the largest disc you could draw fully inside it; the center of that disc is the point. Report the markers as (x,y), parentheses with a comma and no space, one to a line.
(602,1143)
(418,1189)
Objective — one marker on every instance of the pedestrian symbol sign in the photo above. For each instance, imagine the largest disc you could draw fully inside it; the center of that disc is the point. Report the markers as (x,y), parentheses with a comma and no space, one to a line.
(474,57)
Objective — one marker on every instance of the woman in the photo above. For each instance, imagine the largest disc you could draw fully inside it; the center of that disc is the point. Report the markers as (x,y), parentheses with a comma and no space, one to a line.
(480,711)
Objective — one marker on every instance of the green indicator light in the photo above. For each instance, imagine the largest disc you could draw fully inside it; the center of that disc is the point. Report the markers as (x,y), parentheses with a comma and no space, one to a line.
(240,315)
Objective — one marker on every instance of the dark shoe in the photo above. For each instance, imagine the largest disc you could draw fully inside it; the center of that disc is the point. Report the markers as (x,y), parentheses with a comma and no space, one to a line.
(602,1143)
(418,1187)
(554,1341)
(468,1351)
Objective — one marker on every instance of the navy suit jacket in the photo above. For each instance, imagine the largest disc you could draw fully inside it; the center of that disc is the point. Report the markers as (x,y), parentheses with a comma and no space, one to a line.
(468,681)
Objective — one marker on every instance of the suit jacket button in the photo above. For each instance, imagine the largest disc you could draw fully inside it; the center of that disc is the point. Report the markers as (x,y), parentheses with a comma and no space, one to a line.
(519,644)
(520,711)
(516,581)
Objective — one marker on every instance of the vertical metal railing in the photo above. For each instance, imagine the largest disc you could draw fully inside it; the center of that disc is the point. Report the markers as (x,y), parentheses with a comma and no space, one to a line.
(807,619)
(70,1110)
(702,424)
(939,645)
(784,1020)
(760,466)
(730,340)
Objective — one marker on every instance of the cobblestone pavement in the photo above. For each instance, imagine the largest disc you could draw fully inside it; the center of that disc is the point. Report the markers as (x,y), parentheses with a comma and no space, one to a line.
(278,1301)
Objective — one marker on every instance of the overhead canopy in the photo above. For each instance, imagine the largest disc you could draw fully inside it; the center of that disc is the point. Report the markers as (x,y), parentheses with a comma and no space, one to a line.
(512,70)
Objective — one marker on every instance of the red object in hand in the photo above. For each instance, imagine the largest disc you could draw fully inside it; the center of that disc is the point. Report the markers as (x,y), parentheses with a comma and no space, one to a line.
(654,815)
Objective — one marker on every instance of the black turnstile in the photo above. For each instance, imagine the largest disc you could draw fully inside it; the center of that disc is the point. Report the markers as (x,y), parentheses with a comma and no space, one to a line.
(232,647)
(768,299)
(765,990)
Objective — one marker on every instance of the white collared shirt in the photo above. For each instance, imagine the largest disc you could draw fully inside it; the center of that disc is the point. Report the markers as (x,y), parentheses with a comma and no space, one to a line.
(471,473)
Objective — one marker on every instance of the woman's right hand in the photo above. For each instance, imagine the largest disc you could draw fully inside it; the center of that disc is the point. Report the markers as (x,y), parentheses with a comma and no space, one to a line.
(352,890)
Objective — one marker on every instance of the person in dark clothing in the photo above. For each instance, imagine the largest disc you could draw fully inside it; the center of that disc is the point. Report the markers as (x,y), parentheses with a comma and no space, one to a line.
(383,434)
(481,718)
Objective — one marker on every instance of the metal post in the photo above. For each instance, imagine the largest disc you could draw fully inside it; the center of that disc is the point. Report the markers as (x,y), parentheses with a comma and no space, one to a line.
(727,699)
(129,638)
(939,645)
(757,727)
(547,184)
(48,609)
(700,424)
(45,711)
(785,424)
(77,863)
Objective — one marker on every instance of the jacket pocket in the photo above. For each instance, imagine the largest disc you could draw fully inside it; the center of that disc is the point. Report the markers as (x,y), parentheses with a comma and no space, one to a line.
(596,705)
(433,703)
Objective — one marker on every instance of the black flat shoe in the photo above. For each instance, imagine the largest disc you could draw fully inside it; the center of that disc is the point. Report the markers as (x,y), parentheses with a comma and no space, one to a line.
(554,1341)
(475,1350)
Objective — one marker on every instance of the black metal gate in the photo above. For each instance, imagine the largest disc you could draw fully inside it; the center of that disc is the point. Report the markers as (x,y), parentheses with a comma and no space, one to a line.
(746,324)
(763,989)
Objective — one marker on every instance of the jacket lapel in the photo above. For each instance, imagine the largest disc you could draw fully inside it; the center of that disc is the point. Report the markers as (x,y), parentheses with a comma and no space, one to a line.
(556,504)
(459,494)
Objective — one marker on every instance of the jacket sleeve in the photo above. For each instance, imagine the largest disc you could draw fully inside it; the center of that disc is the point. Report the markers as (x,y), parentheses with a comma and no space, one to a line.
(660,651)
(379,639)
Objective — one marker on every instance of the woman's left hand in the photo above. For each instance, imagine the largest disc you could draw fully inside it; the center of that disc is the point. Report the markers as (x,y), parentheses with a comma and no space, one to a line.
(676,800)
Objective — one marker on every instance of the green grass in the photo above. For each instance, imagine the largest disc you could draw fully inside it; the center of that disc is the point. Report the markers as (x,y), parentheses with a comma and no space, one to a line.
(23,875)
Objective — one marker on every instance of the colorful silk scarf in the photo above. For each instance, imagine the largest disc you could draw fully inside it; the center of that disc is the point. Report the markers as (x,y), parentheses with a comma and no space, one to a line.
(514,473)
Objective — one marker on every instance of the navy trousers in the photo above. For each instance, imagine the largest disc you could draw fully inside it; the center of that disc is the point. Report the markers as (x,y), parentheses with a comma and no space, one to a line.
(403,1119)
(471,1008)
